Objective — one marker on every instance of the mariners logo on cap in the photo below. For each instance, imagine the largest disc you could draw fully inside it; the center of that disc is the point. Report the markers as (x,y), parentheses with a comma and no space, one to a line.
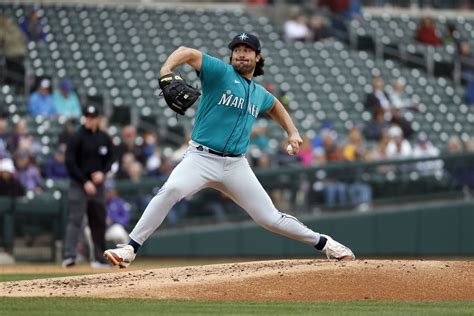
(243,36)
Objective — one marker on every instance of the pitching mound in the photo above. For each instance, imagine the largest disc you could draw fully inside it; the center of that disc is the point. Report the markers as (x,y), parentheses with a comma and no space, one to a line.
(298,280)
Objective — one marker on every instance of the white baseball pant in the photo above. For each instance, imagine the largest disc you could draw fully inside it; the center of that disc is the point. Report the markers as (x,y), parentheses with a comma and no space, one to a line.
(230,175)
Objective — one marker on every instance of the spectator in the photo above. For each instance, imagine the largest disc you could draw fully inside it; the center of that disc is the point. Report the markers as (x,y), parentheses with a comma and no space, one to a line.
(41,101)
(378,98)
(9,184)
(426,32)
(331,147)
(405,125)
(398,147)
(375,129)
(28,174)
(68,131)
(397,96)
(22,139)
(379,153)
(326,127)
(150,143)
(129,144)
(4,134)
(32,26)
(118,216)
(13,44)
(296,29)
(319,29)
(66,101)
(55,167)
(306,153)
(425,149)
(451,34)
(355,148)
(135,172)
(342,12)
(466,67)
(125,162)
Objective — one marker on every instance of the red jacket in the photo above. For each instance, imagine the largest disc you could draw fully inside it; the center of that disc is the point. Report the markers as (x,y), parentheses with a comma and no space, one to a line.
(428,35)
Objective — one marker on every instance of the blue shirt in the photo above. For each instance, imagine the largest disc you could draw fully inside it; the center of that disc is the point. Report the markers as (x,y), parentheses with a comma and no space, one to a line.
(69,106)
(41,104)
(228,107)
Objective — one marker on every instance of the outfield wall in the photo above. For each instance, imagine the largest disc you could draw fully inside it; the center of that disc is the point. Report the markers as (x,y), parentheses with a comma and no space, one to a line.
(442,230)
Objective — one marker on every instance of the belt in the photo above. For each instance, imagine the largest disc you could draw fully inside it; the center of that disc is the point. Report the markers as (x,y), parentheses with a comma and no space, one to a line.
(214,152)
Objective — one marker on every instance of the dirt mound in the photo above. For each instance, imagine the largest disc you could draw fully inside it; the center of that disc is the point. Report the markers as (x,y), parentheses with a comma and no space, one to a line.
(302,280)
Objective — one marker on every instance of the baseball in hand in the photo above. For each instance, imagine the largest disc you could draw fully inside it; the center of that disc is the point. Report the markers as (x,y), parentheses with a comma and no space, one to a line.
(289,150)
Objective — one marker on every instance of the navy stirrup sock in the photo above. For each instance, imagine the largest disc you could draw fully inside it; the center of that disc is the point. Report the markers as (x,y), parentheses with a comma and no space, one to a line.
(135,245)
(322,242)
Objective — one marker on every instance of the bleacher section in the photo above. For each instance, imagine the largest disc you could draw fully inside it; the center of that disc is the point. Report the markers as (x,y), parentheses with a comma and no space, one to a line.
(117,52)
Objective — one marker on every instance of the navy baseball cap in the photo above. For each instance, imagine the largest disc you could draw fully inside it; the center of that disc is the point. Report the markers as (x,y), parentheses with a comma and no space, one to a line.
(91,110)
(247,39)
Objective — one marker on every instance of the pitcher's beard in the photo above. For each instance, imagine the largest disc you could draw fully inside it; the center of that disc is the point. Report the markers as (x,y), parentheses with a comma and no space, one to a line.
(244,69)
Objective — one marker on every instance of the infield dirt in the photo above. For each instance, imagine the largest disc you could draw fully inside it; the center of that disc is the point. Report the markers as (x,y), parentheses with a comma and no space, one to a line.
(290,280)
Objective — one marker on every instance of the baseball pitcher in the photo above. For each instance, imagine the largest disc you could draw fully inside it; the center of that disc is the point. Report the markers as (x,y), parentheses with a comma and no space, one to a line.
(231,102)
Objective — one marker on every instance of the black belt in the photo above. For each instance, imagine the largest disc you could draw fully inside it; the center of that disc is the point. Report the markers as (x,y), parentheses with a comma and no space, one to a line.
(217,153)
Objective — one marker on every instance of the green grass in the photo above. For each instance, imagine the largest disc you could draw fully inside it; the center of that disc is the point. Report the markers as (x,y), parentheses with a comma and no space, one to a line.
(135,307)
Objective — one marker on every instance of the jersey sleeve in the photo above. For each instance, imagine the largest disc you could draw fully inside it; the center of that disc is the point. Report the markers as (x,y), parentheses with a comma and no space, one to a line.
(212,70)
(268,101)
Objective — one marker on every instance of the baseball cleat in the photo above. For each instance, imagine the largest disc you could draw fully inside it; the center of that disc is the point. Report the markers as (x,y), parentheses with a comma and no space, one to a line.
(336,250)
(122,256)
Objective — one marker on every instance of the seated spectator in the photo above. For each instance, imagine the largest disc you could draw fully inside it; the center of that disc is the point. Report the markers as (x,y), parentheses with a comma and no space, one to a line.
(9,184)
(22,139)
(150,143)
(398,147)
(426,32)
(451,34)
(55,167)
(66,101)
(375,129)
(41,101)
(28,174)
(32,26)
(118,216)
(4,134)
(129,144)
(331,147)
(404,124)
(397,96)
(125,162)
(296,29)
(306,153)
(378,98)
(342,12)
(465,59)
(319,29)
(135,171)
(425,149)
(13,45)
(355,148)
(68,131)
(326,127)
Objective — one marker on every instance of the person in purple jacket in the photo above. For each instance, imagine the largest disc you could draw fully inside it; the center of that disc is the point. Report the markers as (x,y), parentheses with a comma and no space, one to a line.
(28,174)
(118,215)
(55,167)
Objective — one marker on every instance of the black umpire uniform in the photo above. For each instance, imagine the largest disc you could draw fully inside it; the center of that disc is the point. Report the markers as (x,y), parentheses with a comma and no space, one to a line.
(89,151)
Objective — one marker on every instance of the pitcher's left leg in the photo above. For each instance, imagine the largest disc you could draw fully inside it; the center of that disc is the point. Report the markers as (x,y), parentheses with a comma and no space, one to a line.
(241,184)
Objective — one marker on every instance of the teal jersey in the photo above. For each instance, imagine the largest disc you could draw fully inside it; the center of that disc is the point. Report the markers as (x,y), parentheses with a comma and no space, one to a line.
(228,107)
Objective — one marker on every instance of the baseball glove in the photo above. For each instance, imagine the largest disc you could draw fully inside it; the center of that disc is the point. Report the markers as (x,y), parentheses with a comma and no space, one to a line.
(179,95)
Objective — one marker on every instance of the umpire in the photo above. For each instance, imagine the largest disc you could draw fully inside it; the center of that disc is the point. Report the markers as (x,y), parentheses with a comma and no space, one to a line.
(88,158)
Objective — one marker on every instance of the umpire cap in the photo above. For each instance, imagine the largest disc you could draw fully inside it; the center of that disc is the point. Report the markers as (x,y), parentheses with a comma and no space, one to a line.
(91,111)
(247,39)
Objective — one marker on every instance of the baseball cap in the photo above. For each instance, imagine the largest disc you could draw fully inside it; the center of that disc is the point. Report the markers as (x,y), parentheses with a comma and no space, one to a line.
(45,83)
(66,85)
(247,39)
(91,110)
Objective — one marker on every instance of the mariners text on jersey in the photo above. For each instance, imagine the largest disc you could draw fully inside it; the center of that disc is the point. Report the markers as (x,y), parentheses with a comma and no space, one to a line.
(236,102)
